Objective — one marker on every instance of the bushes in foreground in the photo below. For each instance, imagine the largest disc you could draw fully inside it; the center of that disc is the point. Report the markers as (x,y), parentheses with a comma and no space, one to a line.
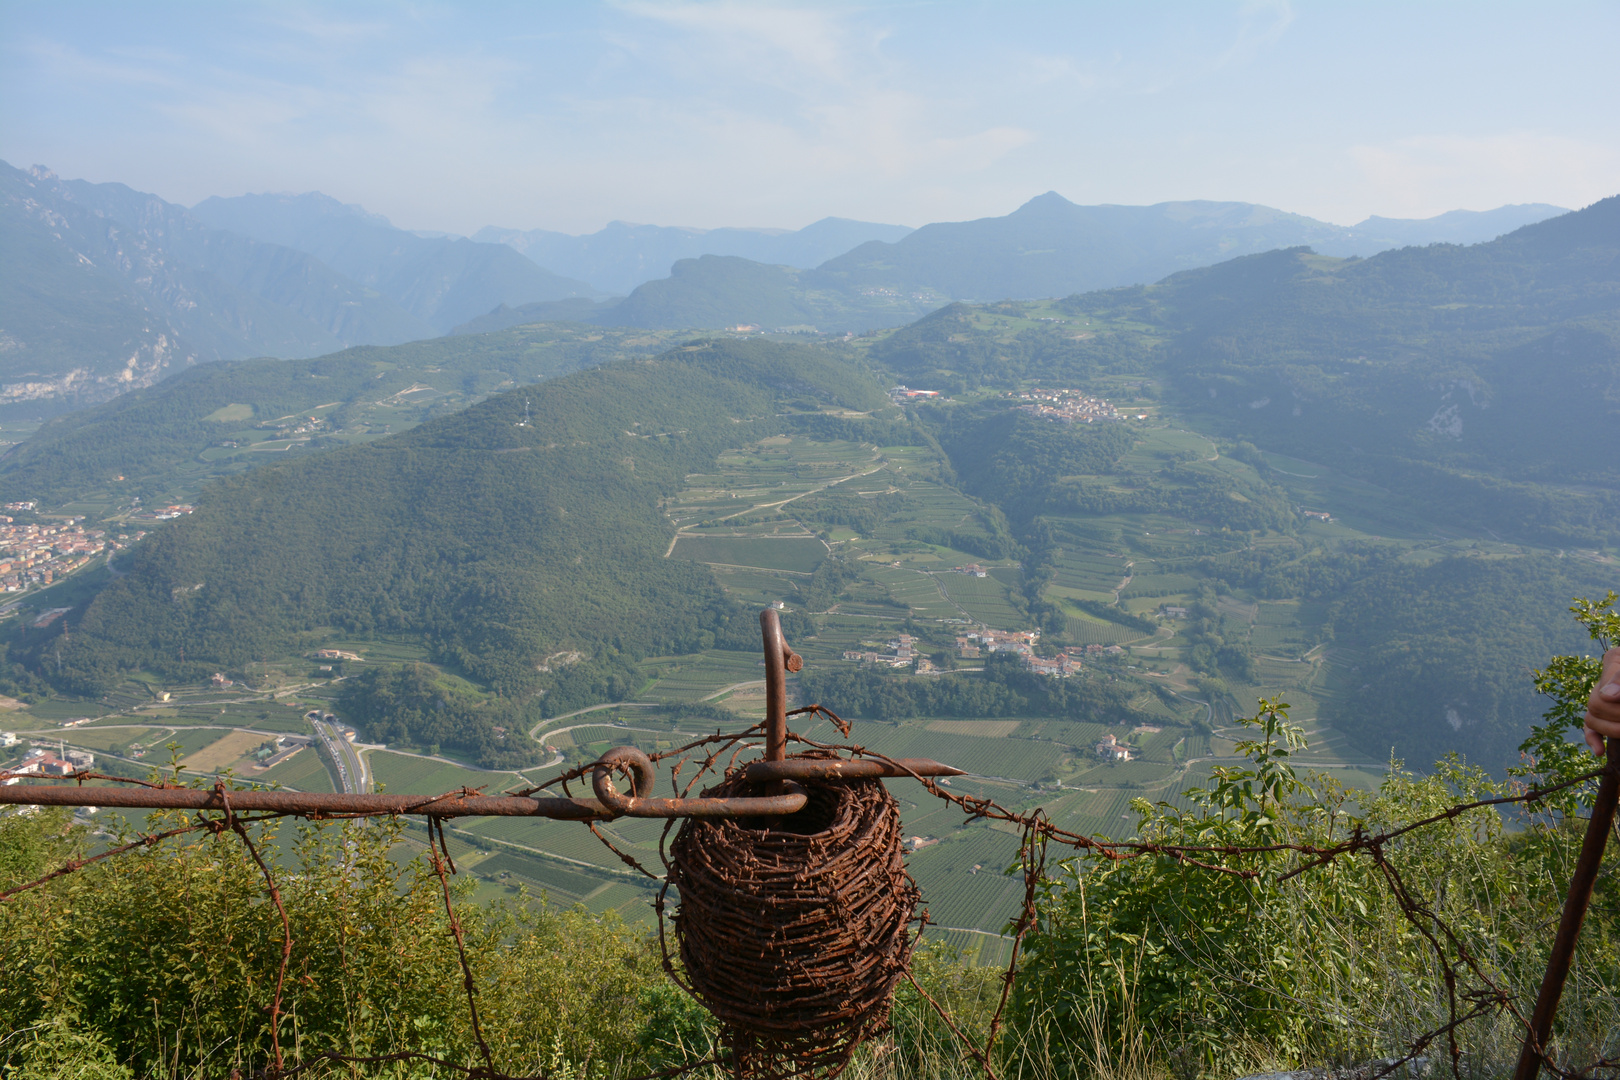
(163,962)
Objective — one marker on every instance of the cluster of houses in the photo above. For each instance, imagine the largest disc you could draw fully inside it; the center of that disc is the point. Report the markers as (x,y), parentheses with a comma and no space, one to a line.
(901,652)
(42,762)
(902,394)
(1319,515)
(982,640)
(976,643)
(1061,666)
(972,569)
(33,555)
(1067,406)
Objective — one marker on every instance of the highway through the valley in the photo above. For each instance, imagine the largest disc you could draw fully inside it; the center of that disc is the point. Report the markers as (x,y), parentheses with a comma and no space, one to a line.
(352,775)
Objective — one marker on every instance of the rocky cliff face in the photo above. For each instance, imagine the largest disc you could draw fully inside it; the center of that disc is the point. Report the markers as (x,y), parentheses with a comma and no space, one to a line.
(106,289)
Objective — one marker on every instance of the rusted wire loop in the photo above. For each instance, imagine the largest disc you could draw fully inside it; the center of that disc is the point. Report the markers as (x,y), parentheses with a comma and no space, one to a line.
(626,759)
(629,759)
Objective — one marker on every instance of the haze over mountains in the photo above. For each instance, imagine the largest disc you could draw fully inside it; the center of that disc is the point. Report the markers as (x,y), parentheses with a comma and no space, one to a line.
(443,281)
(1048,247)
(1455,391)
(107,288)
(621,256)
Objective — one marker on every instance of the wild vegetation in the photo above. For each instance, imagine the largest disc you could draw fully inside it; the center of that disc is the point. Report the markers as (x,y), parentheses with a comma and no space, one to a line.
(165,441)
(499,541)
(1150,966)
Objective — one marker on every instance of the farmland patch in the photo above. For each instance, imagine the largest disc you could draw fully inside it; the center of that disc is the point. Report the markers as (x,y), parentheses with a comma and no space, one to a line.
(800,554)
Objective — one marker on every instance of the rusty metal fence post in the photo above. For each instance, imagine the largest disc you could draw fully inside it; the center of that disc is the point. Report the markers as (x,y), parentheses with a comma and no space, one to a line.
(779,660)
(1576,902)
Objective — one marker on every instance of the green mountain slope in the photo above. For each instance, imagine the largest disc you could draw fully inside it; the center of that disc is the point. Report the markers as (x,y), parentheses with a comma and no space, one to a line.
(1482,383)
(495,542)
(1448,414)
(162,442)
(71,326)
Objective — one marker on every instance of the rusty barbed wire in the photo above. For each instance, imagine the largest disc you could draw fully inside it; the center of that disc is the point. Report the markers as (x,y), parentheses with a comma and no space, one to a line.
(719,755)
(793,932)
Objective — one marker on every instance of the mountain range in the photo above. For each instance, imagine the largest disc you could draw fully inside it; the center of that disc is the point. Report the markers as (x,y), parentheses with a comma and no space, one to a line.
(1465,402)
(621,256)
(443,281)
(1047,247)
(108,289)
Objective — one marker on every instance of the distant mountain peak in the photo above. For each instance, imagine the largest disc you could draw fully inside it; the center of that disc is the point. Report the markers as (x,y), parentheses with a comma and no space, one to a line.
(1051,200)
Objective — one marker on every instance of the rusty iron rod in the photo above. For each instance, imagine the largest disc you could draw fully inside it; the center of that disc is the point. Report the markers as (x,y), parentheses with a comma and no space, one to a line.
(1581,883)
(305,802)
(319,804)
(844,769)
(779,660)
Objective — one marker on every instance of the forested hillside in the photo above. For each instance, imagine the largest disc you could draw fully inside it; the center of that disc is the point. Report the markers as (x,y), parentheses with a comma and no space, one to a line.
(1446,415)
(163,441)
(497,541)
(1480,382)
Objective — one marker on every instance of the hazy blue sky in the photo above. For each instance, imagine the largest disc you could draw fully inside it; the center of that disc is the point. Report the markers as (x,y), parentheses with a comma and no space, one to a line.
(565,116)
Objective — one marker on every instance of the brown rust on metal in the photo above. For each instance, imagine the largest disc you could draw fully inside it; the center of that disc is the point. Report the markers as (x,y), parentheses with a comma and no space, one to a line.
(638,804)
(779,660)
(312,803)
(1581,882)
(794,931)
(802,768)
(317,804)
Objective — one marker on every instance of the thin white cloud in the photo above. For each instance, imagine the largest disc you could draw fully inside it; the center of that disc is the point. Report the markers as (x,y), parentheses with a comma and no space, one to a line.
(441,116)
(759,38)
(1262,23)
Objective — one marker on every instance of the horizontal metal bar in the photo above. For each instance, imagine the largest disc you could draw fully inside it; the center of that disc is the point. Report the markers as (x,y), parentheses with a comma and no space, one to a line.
(841,768)
(306,802)
(739,806)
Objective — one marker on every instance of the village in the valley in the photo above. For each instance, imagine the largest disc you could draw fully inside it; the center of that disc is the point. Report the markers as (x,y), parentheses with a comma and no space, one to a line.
(1068,406)
(39,554)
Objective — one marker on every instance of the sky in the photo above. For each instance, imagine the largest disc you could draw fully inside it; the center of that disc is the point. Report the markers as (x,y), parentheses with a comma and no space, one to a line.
(566,116)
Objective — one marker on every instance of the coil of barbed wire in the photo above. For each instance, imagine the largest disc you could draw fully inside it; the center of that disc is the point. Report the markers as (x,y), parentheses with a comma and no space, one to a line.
(794,931)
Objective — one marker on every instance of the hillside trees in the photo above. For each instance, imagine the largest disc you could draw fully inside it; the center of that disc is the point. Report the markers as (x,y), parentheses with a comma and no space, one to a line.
(1004,688)
(497,543)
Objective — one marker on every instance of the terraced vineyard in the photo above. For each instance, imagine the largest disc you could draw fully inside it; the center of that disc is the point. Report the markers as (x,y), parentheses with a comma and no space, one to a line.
(408,775)
(985,600)
(866,570)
